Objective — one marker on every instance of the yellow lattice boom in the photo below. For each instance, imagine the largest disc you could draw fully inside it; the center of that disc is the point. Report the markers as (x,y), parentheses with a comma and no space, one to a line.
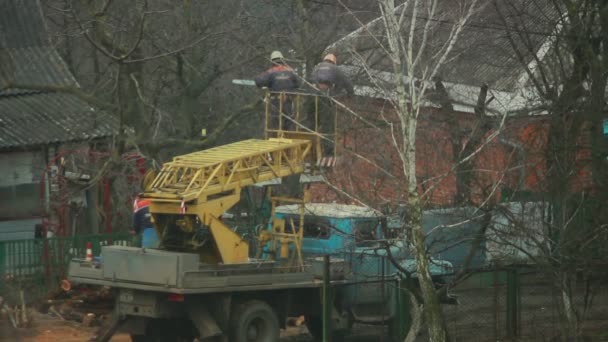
(198,175)
(208,183)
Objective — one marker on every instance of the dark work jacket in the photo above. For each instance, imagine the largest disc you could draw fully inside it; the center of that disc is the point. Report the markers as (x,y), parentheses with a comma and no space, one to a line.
(278,78)
(141,216)
(329,74)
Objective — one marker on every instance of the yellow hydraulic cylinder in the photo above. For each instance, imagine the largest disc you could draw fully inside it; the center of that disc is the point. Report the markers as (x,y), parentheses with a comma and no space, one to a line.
(284,248)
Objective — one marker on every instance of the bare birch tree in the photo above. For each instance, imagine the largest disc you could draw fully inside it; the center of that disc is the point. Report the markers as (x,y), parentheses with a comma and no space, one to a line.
(416,56)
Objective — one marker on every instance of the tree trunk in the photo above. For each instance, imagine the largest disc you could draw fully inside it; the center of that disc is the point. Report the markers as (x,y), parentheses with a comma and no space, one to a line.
(569,325)
(432,308)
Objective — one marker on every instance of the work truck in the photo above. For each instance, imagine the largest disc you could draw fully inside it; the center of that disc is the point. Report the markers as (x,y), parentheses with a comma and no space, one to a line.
(331,263)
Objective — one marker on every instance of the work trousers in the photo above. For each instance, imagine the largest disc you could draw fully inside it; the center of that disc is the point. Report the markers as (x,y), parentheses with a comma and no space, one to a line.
(275,121)
(326,121)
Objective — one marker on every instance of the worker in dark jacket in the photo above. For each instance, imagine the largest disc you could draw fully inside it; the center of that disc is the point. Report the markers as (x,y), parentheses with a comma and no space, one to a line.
(330,81)
(327,76)
(282,81)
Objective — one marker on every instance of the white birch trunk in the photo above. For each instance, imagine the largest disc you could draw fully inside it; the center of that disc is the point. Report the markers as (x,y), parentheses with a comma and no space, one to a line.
(407,57)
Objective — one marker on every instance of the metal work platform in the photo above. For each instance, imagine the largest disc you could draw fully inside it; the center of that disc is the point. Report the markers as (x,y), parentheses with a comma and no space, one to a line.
(199,175)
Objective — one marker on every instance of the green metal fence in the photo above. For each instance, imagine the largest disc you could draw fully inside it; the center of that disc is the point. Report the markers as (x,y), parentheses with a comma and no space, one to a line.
(38,265)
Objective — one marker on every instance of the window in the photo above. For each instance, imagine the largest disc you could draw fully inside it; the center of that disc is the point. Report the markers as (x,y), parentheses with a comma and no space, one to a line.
(20,201)
(365,232)
(316,228)
(20,184)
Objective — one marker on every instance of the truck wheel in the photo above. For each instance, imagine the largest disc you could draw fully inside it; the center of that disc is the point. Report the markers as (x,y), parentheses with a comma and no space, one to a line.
(315,328)
(164,330)
(138,338)
(254,321)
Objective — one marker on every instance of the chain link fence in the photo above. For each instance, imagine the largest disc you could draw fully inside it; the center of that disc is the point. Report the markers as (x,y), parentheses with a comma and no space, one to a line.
(481,309)
(523,304)
(500,304)
(542,295)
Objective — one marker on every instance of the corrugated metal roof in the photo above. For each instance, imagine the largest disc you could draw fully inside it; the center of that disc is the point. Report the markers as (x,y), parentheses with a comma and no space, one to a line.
(335,210)
(21,24)
(34,66)
(25,53)
(30,117)
(43,118)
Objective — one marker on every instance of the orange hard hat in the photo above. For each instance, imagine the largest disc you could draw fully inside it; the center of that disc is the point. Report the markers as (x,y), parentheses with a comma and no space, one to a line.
(330,57)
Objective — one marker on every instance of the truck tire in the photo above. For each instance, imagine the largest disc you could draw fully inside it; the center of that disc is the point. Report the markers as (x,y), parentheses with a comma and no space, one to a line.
(156,331)
(315,328)
(138,338)
(254,321)
(164,330)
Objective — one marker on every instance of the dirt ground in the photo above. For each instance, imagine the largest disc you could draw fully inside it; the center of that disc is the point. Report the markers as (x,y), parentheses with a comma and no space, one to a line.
(480,316)
(46,328)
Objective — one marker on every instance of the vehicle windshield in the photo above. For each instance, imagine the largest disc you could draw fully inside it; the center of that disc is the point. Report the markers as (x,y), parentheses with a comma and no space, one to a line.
(314,227)
(366,232)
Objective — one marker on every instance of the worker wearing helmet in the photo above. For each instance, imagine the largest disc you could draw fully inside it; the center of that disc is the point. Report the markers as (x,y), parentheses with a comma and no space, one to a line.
(327,76)
(330,81)
(144,234)
(282,81)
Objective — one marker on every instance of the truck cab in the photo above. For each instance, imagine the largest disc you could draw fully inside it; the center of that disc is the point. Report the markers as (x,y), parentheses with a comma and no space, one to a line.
(354,237)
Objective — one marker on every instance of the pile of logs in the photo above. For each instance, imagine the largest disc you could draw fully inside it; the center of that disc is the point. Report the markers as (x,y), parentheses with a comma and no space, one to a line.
(86,305)
(19,315)
(295,321)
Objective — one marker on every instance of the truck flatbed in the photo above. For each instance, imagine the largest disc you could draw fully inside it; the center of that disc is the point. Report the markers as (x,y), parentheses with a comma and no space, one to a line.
(182,273)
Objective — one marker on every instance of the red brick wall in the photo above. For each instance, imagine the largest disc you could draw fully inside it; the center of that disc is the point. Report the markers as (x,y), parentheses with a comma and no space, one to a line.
(370,169)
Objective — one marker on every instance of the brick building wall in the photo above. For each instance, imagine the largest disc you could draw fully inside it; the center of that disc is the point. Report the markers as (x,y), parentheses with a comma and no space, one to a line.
(370,171)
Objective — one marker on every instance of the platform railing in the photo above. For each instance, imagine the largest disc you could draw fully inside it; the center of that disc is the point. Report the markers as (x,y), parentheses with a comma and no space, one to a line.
(299,114)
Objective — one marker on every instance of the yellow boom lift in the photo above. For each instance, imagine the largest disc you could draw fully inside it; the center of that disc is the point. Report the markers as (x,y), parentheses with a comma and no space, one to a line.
(191,192)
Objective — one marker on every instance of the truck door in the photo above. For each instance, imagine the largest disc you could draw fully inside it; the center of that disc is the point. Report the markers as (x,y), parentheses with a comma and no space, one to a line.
(317,236)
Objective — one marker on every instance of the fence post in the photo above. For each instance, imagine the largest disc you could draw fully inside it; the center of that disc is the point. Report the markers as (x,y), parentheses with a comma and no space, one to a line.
(326,301)
(497,288)
(96,240)
(401,324)
(512,303)
(2,265)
